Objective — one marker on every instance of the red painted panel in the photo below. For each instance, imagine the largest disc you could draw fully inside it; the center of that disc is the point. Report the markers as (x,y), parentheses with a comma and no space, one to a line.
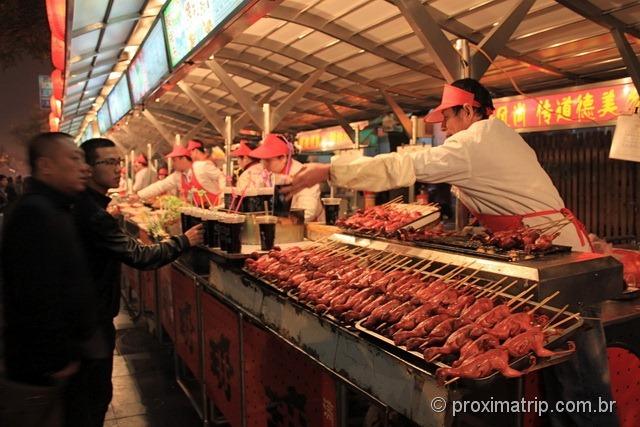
(186,318)
(283,387)
(624,369)
(222,358)
(166,301)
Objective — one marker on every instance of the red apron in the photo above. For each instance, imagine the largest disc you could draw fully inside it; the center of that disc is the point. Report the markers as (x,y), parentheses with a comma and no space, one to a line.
(507,222)
(194,187)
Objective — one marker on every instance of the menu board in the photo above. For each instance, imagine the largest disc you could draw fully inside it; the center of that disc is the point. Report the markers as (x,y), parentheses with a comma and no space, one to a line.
(104,119)
(188,22)
(119,100)
(149,65)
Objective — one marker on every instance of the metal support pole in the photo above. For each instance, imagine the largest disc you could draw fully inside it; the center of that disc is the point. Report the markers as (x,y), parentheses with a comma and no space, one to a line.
(164,133)
(266,119)
(206,111)
(243,98)
(228,139)
(413,141)
(462,45)
(628,55)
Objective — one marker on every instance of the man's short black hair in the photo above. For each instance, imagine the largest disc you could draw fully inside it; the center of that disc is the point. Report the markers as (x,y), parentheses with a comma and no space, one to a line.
(43,145)
(91,146)
(480,94)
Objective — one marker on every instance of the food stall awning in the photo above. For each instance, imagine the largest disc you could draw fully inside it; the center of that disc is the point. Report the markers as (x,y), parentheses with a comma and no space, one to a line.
(101,37)
(366,48)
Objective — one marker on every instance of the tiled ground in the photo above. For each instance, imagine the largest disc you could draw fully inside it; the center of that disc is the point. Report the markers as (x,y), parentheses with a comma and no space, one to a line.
(145,392)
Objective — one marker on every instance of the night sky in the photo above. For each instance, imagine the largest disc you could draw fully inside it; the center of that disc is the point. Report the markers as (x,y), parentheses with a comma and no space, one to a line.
(19,89)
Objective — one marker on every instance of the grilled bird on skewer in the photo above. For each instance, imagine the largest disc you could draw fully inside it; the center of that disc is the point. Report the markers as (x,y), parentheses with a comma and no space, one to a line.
(515,324)
(455,341)
(479,345)
(481,365)
(421,330)
(533,340)
(493,316)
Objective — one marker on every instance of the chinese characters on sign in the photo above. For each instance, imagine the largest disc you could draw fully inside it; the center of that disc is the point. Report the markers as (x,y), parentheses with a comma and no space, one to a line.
(220,364)
(589,106)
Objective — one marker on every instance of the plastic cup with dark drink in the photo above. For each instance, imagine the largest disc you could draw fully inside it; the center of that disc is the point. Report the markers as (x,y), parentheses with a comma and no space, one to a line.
(223,231)
(331,209)
(234,224)
(281,206)
(184,219)
(228,196)
(296,215)
(267,225)
(213,238)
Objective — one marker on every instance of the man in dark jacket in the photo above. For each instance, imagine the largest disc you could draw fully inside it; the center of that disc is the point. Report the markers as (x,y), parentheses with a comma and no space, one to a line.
(48,300)
(107,246)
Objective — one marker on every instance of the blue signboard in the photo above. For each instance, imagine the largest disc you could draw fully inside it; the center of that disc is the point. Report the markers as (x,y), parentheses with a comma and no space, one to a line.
(119,100)
(189,22)
(150,64)
(104,119)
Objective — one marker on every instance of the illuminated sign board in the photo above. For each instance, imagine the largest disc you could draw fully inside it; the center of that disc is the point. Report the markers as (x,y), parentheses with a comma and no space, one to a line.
(327,139)
(149,65)
(119,100)
(592,105)
(189,22)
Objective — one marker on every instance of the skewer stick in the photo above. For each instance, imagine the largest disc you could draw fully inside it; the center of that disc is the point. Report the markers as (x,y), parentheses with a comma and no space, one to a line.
(560,223)
(503,290)
(453,272)
(383,260)
(394,200)
(544,301)
(488,289)
(545,223)
(524,301)
(434,358)
(565,320)
(453,380)
(521,294)
(465,280)
(437,270)
(422,269)
(555,316)
(396,266)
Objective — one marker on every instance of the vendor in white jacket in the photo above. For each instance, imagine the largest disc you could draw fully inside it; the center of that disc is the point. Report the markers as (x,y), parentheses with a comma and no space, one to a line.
(276,154)
(189,182)
(253,175)
(494,173)
(144,176)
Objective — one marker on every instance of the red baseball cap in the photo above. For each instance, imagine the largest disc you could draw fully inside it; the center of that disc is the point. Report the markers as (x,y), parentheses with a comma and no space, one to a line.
(243,150)
(193,144)
(272,146)
(179,151)
(451,96)
(141,159)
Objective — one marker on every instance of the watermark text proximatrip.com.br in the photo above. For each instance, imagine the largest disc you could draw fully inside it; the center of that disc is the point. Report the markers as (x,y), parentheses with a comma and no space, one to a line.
(540,407)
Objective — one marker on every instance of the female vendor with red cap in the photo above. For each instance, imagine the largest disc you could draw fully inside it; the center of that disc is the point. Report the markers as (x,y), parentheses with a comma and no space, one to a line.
(498,178)
(276,155)
(144,176)
(186,181)
(253,174)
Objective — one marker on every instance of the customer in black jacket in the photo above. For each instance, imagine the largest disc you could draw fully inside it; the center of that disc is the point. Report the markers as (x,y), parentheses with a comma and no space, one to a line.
(48,304)
(107,246)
